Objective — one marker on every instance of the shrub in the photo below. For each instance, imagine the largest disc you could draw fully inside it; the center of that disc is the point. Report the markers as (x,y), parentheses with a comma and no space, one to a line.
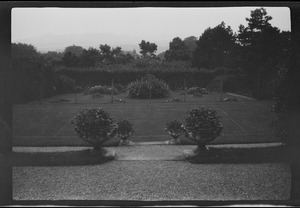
(202,125)
(97,95)
(102,90)
(141,88)
(94,126)
(198,94)
(64,84)
(175,129)
(86,90)
(194,90)
(120,88)
(203,121)
(124,129)
(78,89)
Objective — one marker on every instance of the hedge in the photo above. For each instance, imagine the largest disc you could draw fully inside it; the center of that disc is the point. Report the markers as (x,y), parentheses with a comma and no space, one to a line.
(175,79)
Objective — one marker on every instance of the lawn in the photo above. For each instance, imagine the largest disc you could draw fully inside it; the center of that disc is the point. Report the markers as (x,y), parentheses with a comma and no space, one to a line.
(48,124)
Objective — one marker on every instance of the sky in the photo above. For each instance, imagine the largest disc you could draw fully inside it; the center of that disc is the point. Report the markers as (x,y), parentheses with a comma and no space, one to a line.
(151,24)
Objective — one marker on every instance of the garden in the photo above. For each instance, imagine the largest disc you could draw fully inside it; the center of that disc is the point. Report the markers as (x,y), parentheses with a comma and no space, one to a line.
(194,122)
(144,111)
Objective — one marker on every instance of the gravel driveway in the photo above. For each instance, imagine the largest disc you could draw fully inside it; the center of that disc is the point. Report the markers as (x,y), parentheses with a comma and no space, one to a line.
(153,181)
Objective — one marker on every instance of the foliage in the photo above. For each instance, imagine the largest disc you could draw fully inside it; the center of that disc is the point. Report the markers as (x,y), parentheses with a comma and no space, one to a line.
(124,129)
(64,84)
(175,129)
(214,46)
(97,95)
(5,134)
(120,88)
(147,49)
(70,59)
(89,57)
(191,43)
(177,51)
(198,94)
(53,58)
(34,79)
(102,90)
(231,83)
(148,86)
(78,89)
(263,48)
(110,55)
(203,121)
(280,107)
(95,126)
(77,50)
(194,90)
(173,73)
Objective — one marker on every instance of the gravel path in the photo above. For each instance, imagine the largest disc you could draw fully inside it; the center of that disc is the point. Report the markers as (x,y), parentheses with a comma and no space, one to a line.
(153,180)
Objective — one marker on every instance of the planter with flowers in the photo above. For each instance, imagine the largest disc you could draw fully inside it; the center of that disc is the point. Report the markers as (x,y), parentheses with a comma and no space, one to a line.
(175,130)
(95,126)
(124,130)
(202,125)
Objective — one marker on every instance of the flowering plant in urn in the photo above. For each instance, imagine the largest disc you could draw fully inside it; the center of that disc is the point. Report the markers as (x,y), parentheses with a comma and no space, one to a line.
(175,130)
(203,125)
(124,130)
(95,126)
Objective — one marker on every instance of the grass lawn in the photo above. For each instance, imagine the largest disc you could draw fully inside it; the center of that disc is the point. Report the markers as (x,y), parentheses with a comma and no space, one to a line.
(48,124)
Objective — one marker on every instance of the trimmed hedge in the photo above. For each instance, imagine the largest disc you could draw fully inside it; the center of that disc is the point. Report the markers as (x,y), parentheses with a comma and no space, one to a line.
(174,78)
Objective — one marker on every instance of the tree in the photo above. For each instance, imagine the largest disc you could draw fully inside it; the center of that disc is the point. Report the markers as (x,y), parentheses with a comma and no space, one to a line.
(32,78)
(116,52)
(177,51)
(214,46)
(70,59)
(147,49)
(191,43)
(105,53)
(262,50)
(89,57)
(53,58)
(77,50)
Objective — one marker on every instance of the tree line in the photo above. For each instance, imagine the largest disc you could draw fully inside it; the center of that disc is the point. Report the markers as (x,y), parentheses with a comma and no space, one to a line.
(251,56)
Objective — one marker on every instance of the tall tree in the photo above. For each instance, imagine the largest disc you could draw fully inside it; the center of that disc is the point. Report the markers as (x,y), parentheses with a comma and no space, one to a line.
(177,51)
(214,47)
(147,49)
(32,79)
(105,53)
(70,59)
(89,57)
(191,43)
(77,50)
(262,49)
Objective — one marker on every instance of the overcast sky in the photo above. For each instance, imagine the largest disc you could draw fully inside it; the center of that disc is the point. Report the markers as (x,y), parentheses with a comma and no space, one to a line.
(149,23)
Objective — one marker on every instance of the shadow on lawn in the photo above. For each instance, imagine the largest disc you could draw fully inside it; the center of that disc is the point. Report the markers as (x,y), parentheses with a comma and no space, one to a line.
(213,156)
(71,158)
(243,155)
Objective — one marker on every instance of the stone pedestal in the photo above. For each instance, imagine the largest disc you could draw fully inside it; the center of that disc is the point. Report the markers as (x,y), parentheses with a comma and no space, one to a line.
(174,141)
(126,143)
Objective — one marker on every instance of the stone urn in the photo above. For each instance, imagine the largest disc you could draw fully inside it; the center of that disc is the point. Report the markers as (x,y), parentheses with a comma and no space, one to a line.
(124,141)
(98,149)
(95,126)
(174,138)
(202,137)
